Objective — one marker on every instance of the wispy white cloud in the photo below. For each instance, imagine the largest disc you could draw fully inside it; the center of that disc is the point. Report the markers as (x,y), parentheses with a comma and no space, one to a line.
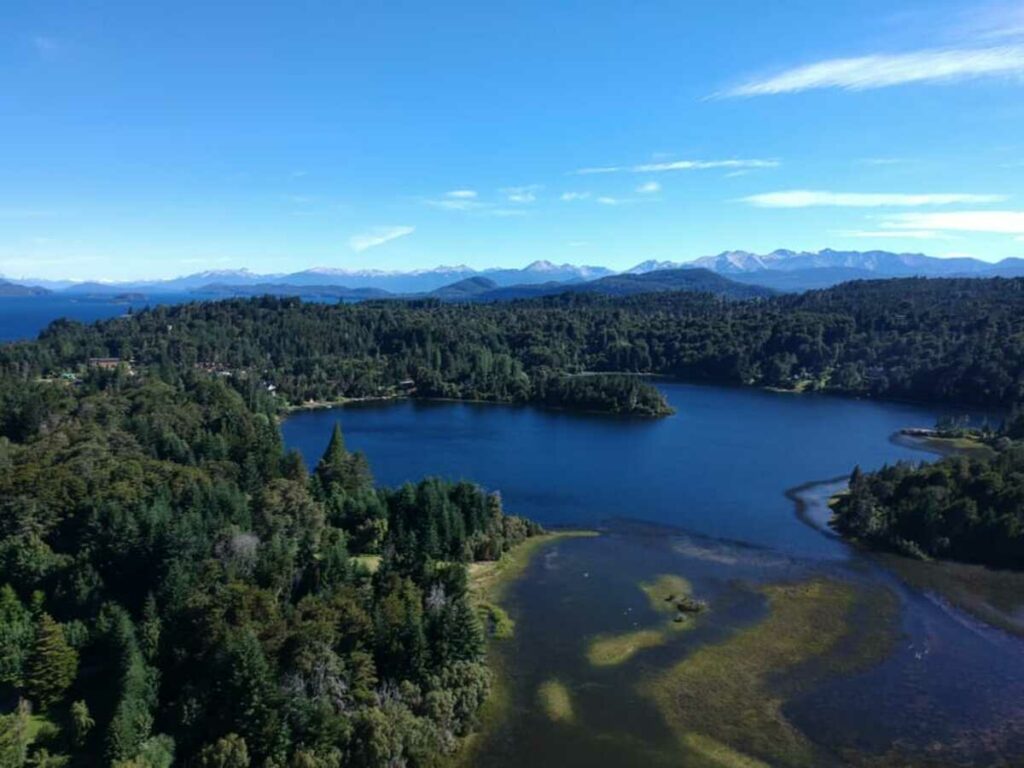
(608,200)
(649,188)
(377,236)
(881,161)
(569,197)
(884,70)
(994,222)
(700,165)
(525,194)
(808,198)
(678,165)
(465,200)
(456,204)
(998,21)
(598,169)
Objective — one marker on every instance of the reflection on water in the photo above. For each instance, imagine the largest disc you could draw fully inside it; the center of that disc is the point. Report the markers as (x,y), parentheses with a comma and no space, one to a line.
(701,495)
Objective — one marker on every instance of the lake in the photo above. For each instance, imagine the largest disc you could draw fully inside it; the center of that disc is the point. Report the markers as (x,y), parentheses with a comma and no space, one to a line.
(23,317)
(855,665)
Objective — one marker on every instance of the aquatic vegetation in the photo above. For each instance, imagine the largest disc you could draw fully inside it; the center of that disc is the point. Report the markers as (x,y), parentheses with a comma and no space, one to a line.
(719,755)
(668,593)
(555,701)
(608,650)
(665,590)
(727,694)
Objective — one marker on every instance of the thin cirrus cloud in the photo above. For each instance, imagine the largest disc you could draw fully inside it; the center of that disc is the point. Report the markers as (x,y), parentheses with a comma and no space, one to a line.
(649,188)
(991,222)
(569,197)
(461,194)
(525,194)
(863,73)
(377,236)
(810,198)
(677,165)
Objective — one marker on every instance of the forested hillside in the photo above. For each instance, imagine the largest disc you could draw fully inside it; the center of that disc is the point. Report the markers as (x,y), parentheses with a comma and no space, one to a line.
(174,586)
(953,341)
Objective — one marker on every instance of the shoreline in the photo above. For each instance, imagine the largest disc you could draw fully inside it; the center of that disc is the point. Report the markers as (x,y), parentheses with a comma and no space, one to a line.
(984,594)
(488,585)
(326,405)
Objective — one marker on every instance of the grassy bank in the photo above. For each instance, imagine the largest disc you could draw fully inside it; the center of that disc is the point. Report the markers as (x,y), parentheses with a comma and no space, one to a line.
(489,580)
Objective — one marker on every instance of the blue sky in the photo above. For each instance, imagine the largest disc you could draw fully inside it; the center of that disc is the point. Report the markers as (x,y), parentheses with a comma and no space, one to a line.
(157,138)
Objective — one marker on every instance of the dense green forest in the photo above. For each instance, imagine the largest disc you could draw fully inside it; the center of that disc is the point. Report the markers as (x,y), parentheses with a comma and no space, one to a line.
(172,582)
(968,508)
(952,341)
(176,587)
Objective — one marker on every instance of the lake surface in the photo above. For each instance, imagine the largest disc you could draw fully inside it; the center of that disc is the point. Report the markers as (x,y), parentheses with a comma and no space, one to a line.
(718,467)
(23,317)
(701,495)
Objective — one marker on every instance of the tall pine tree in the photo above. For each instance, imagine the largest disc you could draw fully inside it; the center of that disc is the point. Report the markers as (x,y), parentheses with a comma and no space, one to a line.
(333,464)
(52,665)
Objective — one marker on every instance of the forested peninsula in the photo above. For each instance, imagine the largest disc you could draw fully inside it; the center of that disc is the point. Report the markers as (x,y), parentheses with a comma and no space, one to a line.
(175,587)
(963,507)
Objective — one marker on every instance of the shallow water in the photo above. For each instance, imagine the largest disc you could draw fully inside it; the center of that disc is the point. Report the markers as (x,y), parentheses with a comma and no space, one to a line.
(699,494)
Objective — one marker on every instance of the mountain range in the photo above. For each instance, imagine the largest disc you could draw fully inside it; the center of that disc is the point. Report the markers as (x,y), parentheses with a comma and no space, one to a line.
(780,270)
(786,270)
(400,282)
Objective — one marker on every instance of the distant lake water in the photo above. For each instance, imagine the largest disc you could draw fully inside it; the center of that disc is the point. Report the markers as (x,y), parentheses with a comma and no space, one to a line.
(23,317)
(701,495)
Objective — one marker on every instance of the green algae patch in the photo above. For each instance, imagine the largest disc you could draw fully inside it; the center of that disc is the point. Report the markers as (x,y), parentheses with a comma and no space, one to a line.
(727,694)
(609,650)
(555,701)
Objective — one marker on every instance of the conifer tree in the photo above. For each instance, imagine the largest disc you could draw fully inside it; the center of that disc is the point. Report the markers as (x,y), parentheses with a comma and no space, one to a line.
(16,637)
(52,665)
(81,721)
(333,465)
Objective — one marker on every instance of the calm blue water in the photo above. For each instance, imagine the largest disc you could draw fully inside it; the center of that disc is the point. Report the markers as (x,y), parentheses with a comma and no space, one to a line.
(719,467)
(23,317)
(712,480)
